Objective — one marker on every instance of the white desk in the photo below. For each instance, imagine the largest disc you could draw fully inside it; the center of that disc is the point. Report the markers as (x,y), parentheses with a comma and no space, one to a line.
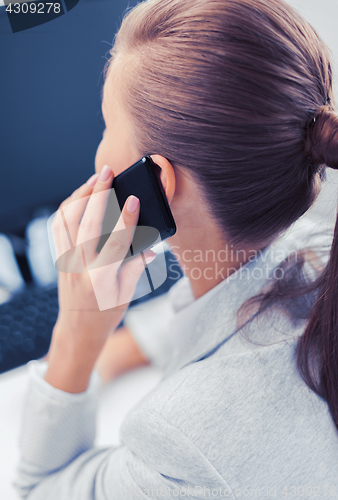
(117,399)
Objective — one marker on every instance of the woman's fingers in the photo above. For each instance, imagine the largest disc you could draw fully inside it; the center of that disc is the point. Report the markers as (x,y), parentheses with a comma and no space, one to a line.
(118,243)
(112,290)
(103,270)
(91,223)
(130,273)
(74,207)
(66,223)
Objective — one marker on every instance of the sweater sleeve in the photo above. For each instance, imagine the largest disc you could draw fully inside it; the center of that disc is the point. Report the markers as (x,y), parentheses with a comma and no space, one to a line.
(57,427)
(58,460)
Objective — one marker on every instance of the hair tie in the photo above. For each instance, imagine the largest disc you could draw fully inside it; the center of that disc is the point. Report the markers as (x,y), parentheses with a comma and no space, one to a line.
(327,102)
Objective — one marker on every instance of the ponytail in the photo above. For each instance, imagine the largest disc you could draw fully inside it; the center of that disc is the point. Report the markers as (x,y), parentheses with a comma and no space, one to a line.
(317,352)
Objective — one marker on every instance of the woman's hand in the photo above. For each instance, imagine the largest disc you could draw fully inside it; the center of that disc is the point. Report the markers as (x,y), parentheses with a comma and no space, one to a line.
(94,289)
(119,355)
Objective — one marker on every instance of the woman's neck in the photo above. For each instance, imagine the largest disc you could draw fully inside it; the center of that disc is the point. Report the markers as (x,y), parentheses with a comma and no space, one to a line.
(206,259)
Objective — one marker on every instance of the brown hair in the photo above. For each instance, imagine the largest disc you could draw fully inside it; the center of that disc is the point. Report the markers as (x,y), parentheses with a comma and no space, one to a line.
(240,93)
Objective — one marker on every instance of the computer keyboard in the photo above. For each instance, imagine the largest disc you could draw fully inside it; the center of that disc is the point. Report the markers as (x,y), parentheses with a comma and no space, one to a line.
(26,326)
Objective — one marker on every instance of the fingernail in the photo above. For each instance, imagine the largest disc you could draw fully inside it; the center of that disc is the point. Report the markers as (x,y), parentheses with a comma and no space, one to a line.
(105,174)
(133,203)
(150,257)
(92,180)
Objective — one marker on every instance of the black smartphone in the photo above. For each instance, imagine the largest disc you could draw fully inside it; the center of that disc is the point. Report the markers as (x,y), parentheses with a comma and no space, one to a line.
(156,222)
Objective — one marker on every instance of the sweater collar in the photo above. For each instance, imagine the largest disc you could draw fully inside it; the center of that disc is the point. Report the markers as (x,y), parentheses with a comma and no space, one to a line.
(213,317)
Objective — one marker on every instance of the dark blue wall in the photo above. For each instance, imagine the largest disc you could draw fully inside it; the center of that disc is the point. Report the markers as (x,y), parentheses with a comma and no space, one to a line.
(50,125)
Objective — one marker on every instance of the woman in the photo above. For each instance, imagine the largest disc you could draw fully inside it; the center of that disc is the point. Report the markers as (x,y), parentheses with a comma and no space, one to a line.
(233,100)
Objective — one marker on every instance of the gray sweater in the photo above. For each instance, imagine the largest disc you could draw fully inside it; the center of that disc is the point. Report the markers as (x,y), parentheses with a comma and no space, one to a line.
(229,419)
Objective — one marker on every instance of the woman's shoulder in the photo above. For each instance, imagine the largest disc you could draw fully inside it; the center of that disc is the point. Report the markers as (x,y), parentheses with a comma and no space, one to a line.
(236,401)
(238,375)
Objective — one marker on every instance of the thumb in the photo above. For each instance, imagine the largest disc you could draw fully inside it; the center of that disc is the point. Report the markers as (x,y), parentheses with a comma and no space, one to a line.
(130,273)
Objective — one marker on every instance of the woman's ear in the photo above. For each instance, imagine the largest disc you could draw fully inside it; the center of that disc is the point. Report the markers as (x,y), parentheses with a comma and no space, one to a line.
(167,176)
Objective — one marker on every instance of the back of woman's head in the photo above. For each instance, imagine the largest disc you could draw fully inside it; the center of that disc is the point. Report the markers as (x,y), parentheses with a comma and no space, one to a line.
(228,90)
(239,92)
